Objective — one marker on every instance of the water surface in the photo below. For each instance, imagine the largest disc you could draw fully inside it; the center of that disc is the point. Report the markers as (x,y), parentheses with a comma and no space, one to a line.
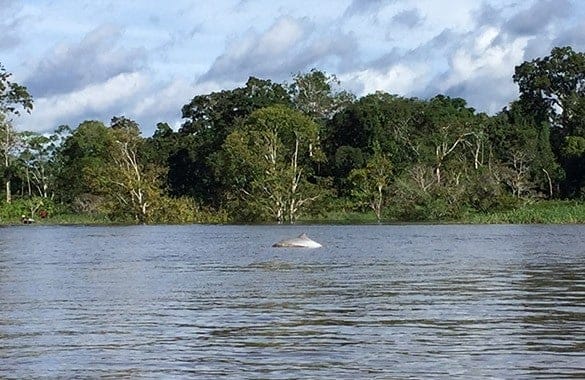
(218,301)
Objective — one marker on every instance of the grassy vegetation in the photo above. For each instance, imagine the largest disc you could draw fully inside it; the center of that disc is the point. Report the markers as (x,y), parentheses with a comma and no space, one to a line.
(63,219)
(11,213)
(76,219)
(345,217)
(545,212)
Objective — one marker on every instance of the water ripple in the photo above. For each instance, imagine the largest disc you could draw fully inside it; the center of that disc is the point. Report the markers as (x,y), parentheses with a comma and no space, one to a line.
(217,301)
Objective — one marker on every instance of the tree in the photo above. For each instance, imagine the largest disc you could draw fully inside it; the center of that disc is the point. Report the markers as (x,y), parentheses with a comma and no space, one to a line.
(13,99)
(161,149)
(13,96)
(346,159)
(268,162)
(572,152)
(450,126)
(129,185)
(8,145)
(552,90)
(392,121)
(83,152)
(210,119)
(371,182)
(316,94)
(553,84)
(106,170)
(522,146)
(36,157)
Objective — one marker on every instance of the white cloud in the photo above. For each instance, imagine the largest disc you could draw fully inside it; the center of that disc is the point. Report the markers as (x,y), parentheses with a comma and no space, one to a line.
(467,61)
(91,59)
(54,110)
(95,58)
(255,53)
(158,102)
(484,76)
(284,34)
(399,79)
(288,46)
(485,39)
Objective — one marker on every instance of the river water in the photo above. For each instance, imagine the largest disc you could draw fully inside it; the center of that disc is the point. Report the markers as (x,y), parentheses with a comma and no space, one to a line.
(376,302)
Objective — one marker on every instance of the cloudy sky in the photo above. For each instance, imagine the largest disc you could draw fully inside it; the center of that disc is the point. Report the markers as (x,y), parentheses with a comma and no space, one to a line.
(144,59)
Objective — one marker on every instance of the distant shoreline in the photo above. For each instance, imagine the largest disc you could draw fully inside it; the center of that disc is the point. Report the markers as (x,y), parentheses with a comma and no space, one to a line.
(543,212)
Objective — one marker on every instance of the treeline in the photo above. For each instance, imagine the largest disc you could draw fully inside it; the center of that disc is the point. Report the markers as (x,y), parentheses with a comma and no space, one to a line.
(279,152)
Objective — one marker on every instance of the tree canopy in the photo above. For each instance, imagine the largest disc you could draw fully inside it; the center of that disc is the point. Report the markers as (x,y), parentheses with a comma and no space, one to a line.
(278,152)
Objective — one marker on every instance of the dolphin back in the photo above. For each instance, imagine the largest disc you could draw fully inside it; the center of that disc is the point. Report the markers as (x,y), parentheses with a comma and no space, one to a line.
(302,241)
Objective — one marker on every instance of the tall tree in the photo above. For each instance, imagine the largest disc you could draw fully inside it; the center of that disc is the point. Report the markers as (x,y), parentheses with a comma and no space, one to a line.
(317,95)
(552,85)
(210,118)
(269,160)
(129,185)
(552,89)
(83,152)
(13,98)
(37,156)
(449,128)
(390,120)
(370,184)
(161,148)
(522,146)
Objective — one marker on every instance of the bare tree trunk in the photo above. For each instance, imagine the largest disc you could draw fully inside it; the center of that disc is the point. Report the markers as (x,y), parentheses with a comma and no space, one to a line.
(294,184)
(443,150)
(28,185)
(550,185)
(8,194)
(379,201)
(6,164)
(476,161)
(6,146)
(438,174)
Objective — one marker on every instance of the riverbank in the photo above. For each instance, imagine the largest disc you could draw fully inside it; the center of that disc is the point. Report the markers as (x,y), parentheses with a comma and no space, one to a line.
(547,212)
(544,212)
(63,219)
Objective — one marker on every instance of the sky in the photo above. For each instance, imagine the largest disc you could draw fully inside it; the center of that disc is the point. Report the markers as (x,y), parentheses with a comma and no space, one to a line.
(144,59)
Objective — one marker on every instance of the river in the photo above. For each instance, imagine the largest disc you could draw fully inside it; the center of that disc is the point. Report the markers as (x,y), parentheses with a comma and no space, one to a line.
(376,302)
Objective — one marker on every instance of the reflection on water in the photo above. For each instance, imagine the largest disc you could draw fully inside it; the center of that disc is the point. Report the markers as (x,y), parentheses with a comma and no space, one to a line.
(213,301)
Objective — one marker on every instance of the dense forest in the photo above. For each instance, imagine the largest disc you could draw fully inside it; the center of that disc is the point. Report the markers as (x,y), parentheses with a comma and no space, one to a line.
(280,152)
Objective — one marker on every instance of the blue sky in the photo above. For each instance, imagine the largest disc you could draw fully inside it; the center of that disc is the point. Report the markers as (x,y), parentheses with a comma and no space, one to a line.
(145,59)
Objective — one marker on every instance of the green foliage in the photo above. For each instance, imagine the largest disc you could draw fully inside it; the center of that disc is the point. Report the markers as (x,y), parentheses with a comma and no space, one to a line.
(549,212)
(30,207)
(551,85)
(13,96)
(346,160)
(485,193)
(573,147)
(269,164)
(130,187)
(413,203)
(12,212)
(308,150)
(315,94)
(183,210)
(83,153)
(552,89)
(370,184)
(210,119)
